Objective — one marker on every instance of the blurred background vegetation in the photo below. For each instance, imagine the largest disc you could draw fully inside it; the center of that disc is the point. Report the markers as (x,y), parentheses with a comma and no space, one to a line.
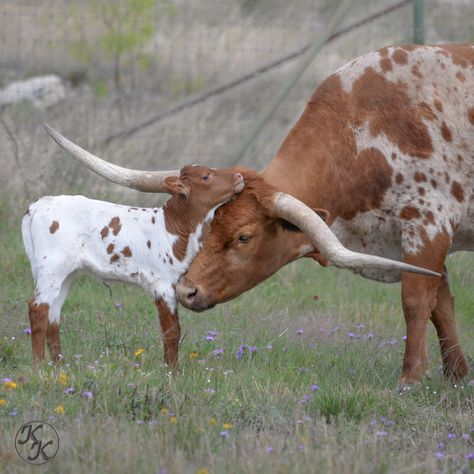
(121,63)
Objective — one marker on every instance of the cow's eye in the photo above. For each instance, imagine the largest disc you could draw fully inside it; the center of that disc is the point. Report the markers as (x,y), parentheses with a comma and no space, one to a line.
(244,238)
(206,177)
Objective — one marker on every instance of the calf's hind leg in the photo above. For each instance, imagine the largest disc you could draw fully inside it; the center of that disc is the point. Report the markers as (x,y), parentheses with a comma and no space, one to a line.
(45,317)
(454,363)
(170,331)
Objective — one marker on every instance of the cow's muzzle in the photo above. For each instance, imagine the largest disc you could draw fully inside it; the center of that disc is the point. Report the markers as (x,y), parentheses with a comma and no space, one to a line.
(191,296)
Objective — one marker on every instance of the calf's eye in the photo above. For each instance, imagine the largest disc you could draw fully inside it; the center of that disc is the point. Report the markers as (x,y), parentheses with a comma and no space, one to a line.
(244,238)
(205,177)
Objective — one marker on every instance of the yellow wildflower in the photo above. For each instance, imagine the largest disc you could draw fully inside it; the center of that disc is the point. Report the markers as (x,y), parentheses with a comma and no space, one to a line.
(9,384)
(203,470)
(138,352)
(3,402)
(227,426)
(63,378)
(173,419)
(193,355)
(213,421)
(59,410)
(164,411)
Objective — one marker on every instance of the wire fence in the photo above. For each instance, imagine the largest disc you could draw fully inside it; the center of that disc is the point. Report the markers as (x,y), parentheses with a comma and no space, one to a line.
(157,84)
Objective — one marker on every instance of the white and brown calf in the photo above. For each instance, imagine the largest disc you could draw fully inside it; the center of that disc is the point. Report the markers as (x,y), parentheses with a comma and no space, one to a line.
(151,248)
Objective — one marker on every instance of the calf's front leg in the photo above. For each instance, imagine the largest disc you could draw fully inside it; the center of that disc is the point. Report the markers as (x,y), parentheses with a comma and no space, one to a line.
(170,331)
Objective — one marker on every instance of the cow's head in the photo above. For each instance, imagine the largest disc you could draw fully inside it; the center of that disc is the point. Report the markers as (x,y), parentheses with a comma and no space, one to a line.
(257,233)
(247,244)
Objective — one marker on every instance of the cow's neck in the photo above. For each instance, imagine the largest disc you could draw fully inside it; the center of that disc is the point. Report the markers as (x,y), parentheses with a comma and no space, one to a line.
(183,218)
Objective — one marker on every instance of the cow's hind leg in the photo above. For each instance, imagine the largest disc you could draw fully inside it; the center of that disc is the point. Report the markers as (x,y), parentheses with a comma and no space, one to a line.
(419,296)
(454,363)
(38,314)
(170,331)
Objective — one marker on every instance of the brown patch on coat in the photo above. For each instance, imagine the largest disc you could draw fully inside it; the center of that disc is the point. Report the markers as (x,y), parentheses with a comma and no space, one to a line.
(429,217)
(386,64)
(434,183)
(400,56)
(399,178)
(420,177)
(148,244)
(460,76)
(114,258)
(389,110)
(104,232)
(461,54)
(470,115)
(110,248)
(383,52)
(153,219)
(416,72)
(438,105)
(446,132)
(52,339)
(426,111)
(126,252)
(457,191)
(421,191)
(115,225)
(54,227)
(409,212)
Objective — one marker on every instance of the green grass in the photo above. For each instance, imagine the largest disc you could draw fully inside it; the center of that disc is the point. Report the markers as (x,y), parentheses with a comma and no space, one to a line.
(141,419)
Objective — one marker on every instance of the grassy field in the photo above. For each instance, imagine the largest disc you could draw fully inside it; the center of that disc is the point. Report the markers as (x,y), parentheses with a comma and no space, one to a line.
(313,391)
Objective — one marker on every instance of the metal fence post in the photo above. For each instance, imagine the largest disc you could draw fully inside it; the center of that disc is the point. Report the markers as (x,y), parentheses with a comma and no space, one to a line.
(419,21)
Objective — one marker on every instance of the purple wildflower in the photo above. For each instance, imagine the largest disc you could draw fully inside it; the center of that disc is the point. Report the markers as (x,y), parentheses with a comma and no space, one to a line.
(88,394)
(314,388)
(440,446)
(439,455)
(69,391)
(301,447)
(369,335)
(381,434)
(300,331)
(210,391)
(224,434)
(269,347)
(451,436)
(217,352)
(269,449)
(353,335)
(469,456)
(213,333)
(118,305)
(471,382)
(27,331)
(252,349)
(240,351)
(360,326)
(209,338)
(6,379)
(404,338)
(305,399)
(13,413)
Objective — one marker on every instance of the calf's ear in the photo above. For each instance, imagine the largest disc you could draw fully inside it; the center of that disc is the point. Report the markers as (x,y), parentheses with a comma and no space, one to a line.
(176,185)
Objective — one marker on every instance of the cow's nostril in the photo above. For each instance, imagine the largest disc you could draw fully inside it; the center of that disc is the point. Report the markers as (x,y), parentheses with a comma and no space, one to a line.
(191,293)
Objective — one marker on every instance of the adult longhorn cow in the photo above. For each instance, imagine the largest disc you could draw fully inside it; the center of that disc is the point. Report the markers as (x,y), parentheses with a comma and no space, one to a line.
(386,147)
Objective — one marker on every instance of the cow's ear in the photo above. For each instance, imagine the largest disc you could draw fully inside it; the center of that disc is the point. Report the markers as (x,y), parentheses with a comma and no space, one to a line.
(322,213)
(176,185)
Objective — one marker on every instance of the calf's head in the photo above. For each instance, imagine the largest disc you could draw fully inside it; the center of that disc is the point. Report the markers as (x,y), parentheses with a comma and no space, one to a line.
(204,188)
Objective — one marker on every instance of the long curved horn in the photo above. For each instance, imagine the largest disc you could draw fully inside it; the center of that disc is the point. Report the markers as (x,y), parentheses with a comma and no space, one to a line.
(145,181)
(291,209)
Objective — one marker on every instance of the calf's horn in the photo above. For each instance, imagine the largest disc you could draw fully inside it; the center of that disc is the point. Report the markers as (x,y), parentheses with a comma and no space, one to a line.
(291,209)
(146,181)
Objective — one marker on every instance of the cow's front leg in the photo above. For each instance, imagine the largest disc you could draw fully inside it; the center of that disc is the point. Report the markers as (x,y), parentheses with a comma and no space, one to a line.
(170,331)
(419,295)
